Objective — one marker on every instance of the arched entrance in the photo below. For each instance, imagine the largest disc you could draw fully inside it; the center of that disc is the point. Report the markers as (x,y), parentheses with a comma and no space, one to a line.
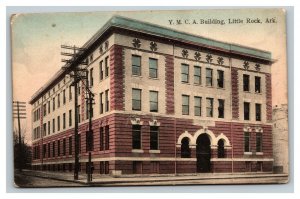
(203,153)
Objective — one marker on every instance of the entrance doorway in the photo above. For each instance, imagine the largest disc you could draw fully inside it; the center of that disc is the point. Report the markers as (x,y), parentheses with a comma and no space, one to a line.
(203,153)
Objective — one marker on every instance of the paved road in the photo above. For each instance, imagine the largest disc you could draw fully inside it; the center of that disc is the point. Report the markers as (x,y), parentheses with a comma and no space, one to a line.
(27,181)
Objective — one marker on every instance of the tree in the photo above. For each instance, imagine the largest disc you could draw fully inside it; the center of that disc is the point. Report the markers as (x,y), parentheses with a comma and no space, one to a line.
(23,157)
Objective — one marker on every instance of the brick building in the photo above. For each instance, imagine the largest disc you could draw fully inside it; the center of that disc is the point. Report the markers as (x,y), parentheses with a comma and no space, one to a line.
(165,102)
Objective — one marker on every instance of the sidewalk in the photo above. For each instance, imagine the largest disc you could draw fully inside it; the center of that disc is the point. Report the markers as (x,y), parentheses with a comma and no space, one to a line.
(204,178)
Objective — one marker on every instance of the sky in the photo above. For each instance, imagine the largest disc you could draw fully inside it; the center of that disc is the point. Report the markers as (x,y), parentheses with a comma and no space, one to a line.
(36,41)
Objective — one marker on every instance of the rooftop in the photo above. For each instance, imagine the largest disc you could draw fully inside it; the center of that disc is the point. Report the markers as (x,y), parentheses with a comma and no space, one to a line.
(160,31)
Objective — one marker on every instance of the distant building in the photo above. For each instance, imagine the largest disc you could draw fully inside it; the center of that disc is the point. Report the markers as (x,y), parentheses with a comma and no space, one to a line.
(280,139)
(165,102)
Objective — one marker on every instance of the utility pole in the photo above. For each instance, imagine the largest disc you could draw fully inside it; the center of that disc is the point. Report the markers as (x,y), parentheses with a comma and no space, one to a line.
(19,112)
(90,100)
(77,74)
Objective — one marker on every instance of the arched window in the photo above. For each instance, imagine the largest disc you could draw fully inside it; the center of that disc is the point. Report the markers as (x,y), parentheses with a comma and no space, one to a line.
(221,150)
(185,149)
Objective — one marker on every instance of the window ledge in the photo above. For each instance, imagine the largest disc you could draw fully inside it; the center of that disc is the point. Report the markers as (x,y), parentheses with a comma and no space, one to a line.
(259,153)
(247,153)
(154,78)
(188,83)
(140,76)
(137,151)
(221,88)
(208,86)
(154,151)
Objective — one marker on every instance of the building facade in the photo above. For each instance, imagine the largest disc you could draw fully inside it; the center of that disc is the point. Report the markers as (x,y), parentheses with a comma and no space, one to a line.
(165,102)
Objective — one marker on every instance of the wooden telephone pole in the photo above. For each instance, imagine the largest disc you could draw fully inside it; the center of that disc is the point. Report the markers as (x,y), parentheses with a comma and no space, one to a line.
(19,112)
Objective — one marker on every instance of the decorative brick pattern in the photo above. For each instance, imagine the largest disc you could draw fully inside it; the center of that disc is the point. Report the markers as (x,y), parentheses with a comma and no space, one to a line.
(269,97)
(169,68)
(235,93)
(117,78)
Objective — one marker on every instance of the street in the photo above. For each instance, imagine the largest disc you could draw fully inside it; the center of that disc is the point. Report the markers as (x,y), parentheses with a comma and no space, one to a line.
(28,181)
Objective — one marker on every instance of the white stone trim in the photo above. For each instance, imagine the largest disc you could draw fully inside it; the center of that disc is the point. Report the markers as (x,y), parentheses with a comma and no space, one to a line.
(137,151)
(259,153)
(242,159)
(158,159)
(247,153)
(154,151)
(136,121)
(223,137)
(154,123)
(213,139)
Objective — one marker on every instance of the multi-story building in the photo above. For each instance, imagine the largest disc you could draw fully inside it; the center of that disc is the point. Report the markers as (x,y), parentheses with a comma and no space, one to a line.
(165,102)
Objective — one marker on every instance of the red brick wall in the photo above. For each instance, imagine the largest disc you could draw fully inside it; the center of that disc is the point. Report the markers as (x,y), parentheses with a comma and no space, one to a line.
(121,144)
(269,97)
(235,93)
(116,78)
(169,69)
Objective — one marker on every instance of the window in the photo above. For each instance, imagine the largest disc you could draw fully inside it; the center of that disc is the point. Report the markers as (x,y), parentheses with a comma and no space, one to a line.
(48,150)
(258,112)
(91,58)
(89,140)
(70,146)
(101,103)
(221,108)
(197,75)
(136,137)
(70,117)
(53,104)
(58,100)
(246,142)
(70,93)
(154,133)
(44,129)
(106,137)
(78,113)
(58,123)
(257,84)
(44,150)
(209,77)
(153,101)
(79,143)
(246,82)
(106,101)
(48,106)
(91,77)
(185,104)
(136,99)
(197,106)
(48,127)
(209,107)
(58,147)
(101,70)
(87,114)
(101,138)
(136,65)
(221,150)
(185,148)
(220,79)
(64,146)
(53,149)
(106,67)
(258,142)
(64,96)
(184,73)
(246,111)
(64,120)
(152,68)
(53,126)
(44,109)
